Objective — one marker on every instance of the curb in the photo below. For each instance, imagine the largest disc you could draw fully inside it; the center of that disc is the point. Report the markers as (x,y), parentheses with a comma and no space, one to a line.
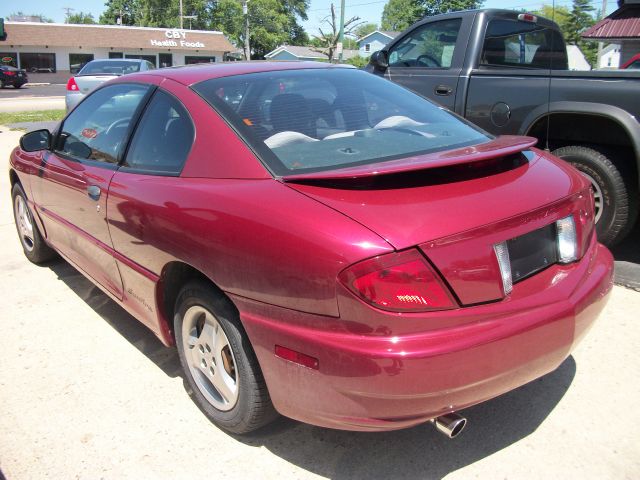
(29,84)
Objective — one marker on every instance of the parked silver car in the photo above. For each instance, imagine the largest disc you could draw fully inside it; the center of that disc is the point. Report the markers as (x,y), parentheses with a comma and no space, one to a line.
(96,72)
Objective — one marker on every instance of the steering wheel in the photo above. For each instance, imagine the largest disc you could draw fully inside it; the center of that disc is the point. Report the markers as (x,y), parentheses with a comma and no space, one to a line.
(118,123)
(431,62)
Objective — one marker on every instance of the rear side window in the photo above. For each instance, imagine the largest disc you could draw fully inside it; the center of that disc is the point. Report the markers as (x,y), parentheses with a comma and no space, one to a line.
(429,46)
(513,43)
(109,67)
(163,138)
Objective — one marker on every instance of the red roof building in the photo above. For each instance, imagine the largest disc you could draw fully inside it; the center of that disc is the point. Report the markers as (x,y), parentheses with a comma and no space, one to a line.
(622,27)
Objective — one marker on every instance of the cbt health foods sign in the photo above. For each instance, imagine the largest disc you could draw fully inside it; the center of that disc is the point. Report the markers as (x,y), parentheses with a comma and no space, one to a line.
(176,38)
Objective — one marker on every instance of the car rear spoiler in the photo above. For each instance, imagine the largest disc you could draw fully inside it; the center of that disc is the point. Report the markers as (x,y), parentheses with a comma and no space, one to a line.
(503,146)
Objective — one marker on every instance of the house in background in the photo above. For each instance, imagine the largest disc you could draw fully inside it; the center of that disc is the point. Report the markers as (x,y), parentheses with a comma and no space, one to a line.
(621,27)
(291,52)
(577,60)
(610,57)
(374,41)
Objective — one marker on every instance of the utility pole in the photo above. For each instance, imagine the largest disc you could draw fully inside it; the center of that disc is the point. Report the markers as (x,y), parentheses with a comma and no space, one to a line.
(603,13)
(190,17)
(181,18)
(245,12)
(68,11)
(341,34)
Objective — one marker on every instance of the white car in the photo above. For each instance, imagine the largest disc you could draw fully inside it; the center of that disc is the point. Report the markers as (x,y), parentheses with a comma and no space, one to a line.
(96,72)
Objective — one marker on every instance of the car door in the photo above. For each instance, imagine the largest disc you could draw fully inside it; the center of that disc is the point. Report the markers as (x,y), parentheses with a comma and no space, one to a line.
(144,199)
(428,59)
(513,77)
(72,184)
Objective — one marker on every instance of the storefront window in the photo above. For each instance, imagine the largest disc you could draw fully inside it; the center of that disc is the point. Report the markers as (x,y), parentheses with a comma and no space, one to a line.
(116,55)
(38,62)
(78,60)
(9,58)
(166,60)
(189,60)
(148,58)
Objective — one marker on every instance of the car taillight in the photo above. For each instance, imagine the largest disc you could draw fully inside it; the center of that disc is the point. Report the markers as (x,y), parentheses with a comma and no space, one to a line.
(9,73)
(72,86)
(567,240)
(398,282)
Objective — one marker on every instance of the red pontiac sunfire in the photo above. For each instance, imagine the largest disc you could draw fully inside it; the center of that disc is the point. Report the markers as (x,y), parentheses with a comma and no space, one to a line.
(317,241)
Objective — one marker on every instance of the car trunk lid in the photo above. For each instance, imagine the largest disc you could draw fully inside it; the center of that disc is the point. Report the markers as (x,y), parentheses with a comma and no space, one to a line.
(458,212)
(88,83)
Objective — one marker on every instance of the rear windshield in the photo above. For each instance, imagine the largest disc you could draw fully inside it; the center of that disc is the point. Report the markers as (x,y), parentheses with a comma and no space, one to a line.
(301,121)
(110,68)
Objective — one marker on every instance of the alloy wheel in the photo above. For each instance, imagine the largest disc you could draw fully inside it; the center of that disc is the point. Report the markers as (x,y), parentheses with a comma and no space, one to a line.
(24,223)
(210,358)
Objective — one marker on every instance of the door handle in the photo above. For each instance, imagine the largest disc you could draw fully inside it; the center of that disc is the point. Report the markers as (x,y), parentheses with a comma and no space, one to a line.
(443,90)
(94,192)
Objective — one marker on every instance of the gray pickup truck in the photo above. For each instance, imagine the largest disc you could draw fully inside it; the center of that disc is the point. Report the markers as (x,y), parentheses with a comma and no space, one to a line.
(507,72)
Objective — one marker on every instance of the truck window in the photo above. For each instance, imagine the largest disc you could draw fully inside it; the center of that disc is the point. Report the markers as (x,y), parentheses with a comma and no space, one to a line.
(523,44)
(429,46)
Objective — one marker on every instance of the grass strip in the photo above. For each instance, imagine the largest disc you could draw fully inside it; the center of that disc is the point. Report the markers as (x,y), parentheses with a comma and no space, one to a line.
(8,118)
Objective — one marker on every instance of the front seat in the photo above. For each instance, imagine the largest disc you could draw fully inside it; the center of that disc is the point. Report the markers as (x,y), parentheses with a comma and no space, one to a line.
(290,112)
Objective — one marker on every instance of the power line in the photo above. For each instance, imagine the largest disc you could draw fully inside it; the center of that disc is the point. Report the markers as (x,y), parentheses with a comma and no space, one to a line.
(68,11)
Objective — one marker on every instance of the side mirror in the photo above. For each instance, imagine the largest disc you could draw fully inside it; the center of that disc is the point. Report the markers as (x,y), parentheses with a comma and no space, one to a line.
(36,141)
(380,60)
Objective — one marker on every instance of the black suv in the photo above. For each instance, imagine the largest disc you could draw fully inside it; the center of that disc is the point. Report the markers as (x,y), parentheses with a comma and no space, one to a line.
(12,76)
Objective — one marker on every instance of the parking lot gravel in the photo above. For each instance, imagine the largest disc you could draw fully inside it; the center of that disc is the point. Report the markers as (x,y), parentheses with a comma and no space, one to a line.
(87,392)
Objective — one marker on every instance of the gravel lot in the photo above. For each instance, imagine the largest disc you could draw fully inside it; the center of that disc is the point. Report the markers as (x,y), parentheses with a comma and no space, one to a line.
(87,392)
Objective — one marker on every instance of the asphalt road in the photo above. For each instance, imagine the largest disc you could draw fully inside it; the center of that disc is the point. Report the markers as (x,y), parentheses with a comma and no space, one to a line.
(45,97)
(87,392)
(52,90)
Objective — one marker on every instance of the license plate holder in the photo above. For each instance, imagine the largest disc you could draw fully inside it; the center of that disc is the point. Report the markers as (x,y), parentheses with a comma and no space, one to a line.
(533,252)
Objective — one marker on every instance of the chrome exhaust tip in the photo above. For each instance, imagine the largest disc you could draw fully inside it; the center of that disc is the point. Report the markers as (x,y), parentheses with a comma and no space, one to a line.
(450,424)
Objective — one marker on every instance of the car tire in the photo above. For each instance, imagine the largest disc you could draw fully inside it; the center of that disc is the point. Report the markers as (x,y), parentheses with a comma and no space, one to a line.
(222,373)
(616,201)
(17,85)
(33,244)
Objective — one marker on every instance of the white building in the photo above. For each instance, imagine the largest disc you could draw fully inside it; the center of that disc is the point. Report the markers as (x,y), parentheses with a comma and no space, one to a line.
(610,57)
(51,47)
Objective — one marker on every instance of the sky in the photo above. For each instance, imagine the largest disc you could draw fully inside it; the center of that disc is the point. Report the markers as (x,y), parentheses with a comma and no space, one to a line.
(367,10)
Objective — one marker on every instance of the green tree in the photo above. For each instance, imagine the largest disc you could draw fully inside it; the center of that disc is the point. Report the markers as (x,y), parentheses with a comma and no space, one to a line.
(365,29)
(560,15)
(436,7)
(579,20)
(399,14)
(81,18)
(271,23)
(128,10)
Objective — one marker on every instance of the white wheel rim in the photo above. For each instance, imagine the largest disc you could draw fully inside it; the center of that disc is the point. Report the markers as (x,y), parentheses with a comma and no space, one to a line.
(210,358)
(24,223)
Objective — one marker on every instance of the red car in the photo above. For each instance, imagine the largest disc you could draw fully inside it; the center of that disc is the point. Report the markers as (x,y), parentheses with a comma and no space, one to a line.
(317,241)
(633,63)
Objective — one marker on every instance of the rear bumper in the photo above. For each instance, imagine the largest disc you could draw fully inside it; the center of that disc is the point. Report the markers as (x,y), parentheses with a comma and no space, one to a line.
(72,99)
(379,381)
(9,81)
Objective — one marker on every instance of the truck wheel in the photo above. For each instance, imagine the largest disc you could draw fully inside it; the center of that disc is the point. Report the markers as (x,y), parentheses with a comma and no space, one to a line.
(615,202)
